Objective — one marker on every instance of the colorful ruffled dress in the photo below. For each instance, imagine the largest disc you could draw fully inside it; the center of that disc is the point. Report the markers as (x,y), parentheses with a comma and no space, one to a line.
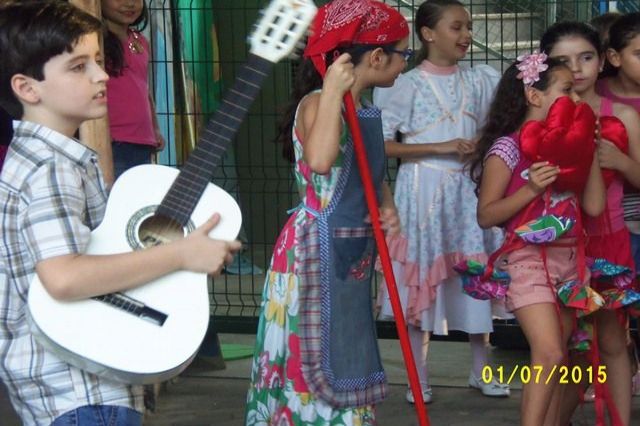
(609,244)
(435,197)
(316,360)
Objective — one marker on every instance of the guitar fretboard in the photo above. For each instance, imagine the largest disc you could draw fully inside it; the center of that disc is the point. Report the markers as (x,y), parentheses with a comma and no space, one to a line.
(133,307)
(184,194)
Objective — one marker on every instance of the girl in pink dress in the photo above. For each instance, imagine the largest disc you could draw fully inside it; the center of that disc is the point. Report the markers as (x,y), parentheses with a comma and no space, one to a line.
(578,45)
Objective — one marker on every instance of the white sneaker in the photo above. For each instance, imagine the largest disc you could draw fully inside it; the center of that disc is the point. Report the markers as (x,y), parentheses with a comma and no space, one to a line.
(427,396)
(492,388)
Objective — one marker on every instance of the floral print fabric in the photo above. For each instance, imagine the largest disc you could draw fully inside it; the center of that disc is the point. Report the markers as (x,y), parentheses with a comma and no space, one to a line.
(278,394)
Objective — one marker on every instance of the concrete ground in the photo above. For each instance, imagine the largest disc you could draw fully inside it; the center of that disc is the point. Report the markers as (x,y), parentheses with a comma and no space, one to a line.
(205,396)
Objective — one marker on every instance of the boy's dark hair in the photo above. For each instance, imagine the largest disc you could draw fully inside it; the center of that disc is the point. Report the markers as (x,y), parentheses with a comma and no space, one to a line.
(428,15)
(31,33)
(308,79)
(623,30)
(507,112)
(113,51)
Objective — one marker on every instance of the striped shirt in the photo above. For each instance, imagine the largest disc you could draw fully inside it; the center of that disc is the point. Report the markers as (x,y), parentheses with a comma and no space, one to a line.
(52,195)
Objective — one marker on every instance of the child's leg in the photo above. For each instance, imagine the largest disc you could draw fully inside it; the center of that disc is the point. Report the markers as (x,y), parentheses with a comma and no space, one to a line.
(555,411)
(479,344)
(420,347)
(479,357)
(612,341)
(541,327)
(571,392)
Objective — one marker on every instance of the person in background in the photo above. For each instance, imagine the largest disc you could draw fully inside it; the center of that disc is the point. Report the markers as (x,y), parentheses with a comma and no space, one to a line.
(132,119)
(439,107)
(6,133)
(577,44)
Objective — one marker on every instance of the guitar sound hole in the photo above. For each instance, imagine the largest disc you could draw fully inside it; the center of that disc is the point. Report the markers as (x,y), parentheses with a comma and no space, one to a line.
(156,230)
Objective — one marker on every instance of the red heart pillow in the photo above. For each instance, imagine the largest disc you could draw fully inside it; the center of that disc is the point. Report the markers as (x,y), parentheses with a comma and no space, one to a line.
(612,129)
(565,139)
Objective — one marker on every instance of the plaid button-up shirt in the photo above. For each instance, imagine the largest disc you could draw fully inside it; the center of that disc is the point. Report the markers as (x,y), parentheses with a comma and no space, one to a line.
(51,196)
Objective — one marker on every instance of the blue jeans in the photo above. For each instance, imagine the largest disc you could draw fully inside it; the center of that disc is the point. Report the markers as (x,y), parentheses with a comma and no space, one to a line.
(127,155)
(100,415)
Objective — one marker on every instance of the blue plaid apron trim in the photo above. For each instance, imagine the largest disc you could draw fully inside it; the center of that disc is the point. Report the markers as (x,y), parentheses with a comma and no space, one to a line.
(315,315)
(352,232)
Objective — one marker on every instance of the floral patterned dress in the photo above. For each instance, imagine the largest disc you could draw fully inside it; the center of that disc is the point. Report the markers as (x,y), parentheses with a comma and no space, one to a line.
(435,196)
(278,394)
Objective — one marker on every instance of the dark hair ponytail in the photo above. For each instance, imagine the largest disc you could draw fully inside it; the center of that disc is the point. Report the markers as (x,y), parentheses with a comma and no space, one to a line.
(507,112)
(428,15)
(307,79)
(113,52)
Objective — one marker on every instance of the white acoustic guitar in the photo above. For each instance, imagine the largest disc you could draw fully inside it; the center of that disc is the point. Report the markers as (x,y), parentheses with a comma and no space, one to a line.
(152,333)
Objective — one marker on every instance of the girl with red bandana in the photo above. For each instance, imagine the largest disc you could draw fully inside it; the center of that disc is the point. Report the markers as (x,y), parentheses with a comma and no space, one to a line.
(316,360)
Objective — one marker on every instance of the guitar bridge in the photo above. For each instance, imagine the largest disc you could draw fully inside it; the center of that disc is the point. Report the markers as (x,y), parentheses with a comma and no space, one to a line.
(133,307)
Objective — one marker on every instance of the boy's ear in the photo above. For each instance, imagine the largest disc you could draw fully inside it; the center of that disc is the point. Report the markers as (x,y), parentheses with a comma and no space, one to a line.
(614,57)
(533,96)
(24,88)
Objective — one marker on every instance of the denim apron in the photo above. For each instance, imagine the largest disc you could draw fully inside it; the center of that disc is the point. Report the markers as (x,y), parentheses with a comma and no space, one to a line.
(339,350)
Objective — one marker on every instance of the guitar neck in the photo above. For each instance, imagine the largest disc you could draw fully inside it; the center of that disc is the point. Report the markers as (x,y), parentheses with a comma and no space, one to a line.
(184,194)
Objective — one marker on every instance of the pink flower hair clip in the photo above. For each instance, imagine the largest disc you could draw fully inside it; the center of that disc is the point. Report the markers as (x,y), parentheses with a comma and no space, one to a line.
(530,66)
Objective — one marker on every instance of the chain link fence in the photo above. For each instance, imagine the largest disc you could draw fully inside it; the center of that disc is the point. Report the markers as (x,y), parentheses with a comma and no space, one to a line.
(199,45)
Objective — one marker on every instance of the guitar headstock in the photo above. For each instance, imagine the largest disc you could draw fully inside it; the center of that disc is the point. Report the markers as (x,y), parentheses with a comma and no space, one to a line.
(283,24)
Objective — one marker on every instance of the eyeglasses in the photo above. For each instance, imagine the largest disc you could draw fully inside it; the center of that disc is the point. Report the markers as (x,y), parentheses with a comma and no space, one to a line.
(406,53)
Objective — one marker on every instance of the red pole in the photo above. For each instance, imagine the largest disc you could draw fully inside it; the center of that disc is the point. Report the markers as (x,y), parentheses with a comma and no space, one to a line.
(383,250)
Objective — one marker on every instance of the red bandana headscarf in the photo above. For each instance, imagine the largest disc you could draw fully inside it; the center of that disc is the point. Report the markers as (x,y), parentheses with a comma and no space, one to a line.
(345,22)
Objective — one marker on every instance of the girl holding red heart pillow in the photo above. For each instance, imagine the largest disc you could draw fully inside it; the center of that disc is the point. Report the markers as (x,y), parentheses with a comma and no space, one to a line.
(512,190)
(578,45)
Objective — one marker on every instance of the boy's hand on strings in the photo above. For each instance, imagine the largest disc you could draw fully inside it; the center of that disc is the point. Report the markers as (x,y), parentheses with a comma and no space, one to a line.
(609,155)
(201,253)
(541,175)
(389,220)
(340,76)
